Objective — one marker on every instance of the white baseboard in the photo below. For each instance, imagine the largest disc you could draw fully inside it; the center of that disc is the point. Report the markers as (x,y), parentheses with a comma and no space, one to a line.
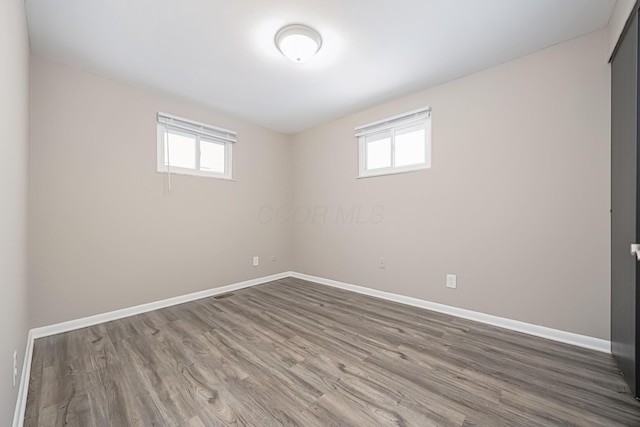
(58,328)
(84,322)
(514,325)
(21,403)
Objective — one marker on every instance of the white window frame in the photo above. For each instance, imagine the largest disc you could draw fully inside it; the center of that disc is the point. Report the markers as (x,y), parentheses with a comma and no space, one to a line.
(201,132)
(413,120)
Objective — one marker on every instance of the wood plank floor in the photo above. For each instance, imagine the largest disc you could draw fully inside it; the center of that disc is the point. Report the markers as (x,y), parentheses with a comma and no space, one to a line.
(295,353)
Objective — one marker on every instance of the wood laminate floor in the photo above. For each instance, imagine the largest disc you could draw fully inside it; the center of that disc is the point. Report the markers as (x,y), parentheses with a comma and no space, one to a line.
(295,353)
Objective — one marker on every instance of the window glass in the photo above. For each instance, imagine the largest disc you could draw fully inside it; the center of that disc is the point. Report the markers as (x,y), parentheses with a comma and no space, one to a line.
(212,156)
(181,151)
(379,153)
(410,147)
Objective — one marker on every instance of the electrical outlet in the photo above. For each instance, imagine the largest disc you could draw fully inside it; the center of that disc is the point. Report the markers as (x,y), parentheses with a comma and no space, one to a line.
(15,367)
(382,263)
(274,258)
(452,281)
(256,261)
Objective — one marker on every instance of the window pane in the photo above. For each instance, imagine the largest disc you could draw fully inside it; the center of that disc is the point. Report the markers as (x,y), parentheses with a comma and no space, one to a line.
(181,151)
(211,156)
(379,153)
(410,147)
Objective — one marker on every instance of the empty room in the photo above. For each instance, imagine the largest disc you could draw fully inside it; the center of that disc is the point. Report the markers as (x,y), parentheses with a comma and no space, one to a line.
(335,213)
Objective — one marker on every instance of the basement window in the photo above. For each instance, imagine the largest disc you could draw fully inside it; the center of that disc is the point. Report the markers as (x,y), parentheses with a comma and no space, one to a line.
(396,144)
(193,148)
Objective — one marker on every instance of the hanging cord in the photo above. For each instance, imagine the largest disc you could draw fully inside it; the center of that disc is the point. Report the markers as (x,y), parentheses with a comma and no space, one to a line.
(166,140)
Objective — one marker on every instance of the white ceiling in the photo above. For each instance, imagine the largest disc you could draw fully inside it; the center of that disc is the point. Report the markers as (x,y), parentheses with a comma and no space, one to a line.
(221,53)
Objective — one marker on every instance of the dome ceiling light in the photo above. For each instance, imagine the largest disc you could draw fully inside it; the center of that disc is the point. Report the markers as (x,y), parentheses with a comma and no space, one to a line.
(298,42)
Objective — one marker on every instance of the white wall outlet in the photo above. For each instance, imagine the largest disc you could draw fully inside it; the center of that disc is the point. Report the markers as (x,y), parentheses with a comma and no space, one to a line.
(15,367)
(382,263)
(256,261)
(452,281)
(274,258)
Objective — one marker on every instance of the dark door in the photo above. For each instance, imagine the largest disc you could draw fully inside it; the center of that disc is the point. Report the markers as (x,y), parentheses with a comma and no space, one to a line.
(624,204)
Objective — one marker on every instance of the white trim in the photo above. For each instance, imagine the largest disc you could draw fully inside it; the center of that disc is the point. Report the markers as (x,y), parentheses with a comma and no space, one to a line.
(514,325)
(393,171)
(193,126)
(177,172)
(391,122)
(21,403)
(71,325)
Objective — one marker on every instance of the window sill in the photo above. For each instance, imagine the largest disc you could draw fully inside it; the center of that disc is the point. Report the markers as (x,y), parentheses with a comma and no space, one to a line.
(392,172)
(198,175)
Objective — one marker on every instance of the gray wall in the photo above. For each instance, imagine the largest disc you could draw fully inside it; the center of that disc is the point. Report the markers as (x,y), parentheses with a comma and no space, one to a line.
(516,203)
(14,146)
(105,232)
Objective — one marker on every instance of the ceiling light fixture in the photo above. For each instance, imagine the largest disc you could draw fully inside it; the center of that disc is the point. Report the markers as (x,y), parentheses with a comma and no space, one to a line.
(298,42)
